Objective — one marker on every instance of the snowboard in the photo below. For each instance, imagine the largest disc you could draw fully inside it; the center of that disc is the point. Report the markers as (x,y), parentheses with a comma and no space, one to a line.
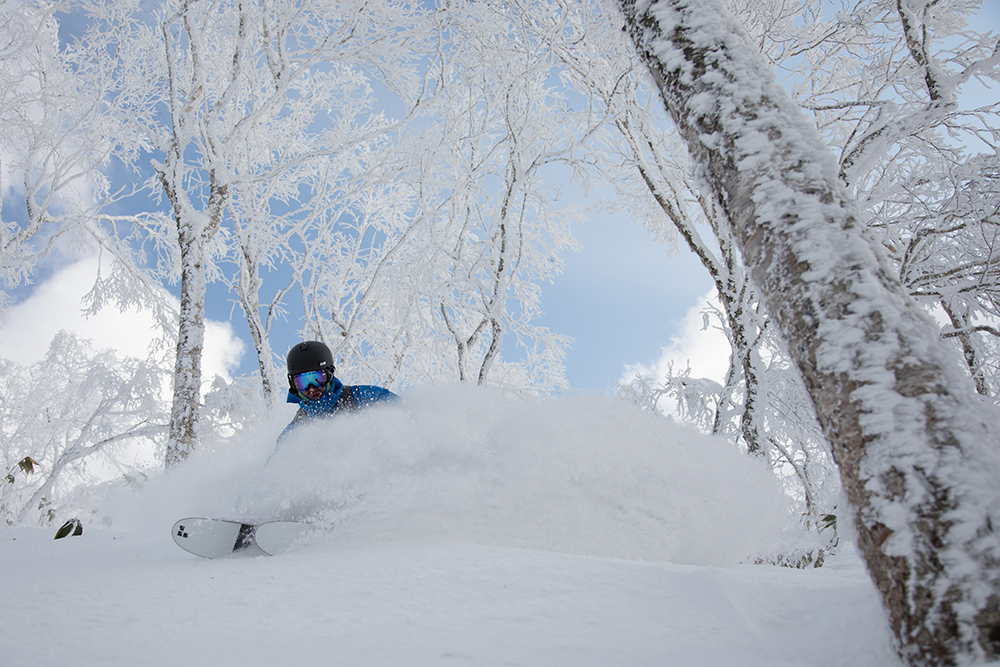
(218,538)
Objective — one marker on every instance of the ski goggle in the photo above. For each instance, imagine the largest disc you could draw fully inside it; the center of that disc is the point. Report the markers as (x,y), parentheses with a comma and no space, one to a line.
(319,378)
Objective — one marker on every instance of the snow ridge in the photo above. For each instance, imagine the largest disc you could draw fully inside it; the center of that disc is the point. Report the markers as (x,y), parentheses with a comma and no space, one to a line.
(587,476)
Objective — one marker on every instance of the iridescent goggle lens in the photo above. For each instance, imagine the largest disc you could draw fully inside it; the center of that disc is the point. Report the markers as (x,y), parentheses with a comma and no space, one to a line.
(318,379)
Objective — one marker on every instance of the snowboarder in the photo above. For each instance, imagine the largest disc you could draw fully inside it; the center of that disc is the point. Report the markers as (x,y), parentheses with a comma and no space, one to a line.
(318,393)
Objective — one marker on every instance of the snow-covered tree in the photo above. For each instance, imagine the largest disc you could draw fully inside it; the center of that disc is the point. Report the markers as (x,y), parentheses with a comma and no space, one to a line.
(83,415)
(917,451)
(882,83)
(336,137)
(295,140)
(500,229)
(247,110)
(829,62)
(941,232)
(56,134)
(758,406)
(438,260)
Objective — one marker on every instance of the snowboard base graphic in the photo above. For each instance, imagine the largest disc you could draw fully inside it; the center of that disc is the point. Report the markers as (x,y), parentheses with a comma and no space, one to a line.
(218,538)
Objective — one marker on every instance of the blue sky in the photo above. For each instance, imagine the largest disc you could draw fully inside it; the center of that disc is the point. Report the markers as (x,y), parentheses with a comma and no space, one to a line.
(622,298)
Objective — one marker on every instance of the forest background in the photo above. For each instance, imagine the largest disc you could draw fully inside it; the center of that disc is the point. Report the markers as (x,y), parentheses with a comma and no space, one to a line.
(611,279)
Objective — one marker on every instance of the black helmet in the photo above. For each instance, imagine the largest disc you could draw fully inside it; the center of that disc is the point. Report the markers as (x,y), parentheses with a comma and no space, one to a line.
(311,355)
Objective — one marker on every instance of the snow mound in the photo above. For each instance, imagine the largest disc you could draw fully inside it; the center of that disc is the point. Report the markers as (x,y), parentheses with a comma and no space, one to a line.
(588,476)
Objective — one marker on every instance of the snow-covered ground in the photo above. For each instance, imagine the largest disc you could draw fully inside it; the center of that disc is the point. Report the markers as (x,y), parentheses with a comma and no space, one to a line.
(116,598)
(460,528)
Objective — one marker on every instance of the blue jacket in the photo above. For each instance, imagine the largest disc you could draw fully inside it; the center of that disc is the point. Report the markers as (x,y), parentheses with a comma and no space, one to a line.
(361,395)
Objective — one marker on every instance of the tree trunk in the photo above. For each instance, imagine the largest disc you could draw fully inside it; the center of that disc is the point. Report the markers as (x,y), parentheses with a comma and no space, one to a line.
(961,323)
(248,288)
(731,285)
(190,344)
(194,232)
(918,453)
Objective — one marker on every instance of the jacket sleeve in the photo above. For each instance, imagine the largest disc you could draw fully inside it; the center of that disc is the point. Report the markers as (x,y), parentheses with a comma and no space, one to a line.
(366,394)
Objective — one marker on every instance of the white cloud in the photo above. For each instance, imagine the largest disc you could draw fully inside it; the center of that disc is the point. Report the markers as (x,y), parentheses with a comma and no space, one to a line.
(56,305)
(706,349)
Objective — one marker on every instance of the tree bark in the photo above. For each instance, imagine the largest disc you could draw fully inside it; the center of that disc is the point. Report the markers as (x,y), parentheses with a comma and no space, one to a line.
(919,454)
(194,232)
(190,345)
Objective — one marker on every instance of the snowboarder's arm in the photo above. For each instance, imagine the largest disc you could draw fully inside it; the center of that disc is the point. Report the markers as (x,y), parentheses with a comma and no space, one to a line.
(366,394)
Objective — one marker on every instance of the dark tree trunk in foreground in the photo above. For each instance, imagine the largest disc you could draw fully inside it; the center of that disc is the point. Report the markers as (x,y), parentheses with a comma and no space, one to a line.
(919,454)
